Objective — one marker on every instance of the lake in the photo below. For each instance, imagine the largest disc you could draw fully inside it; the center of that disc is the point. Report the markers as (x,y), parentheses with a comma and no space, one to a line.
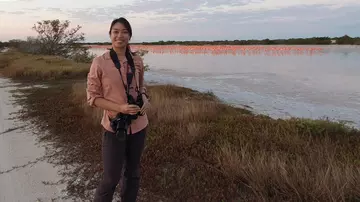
(287,84)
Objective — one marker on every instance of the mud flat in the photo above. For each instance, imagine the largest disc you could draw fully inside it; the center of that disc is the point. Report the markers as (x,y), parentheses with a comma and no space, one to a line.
(23,170)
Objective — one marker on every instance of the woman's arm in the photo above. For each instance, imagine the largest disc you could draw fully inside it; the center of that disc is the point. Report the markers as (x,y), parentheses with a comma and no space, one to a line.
(95,97)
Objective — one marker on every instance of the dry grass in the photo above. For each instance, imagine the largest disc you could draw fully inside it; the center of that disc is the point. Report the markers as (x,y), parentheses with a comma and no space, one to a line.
(18,65)
(78,95)
(199,149)
(5,60)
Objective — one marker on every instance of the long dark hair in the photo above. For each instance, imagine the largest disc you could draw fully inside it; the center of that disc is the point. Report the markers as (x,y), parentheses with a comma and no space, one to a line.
(127,25)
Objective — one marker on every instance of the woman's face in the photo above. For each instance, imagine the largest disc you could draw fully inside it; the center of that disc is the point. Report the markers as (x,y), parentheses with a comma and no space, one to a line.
(119,36)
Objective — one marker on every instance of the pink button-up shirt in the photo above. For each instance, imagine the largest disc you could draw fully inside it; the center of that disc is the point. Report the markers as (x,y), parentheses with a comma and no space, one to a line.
(104,81)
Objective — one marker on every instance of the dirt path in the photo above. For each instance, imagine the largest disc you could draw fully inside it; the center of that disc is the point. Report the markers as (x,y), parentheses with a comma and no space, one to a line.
(22,170)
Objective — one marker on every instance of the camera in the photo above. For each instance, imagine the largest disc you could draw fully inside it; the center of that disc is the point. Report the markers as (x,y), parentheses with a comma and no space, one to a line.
(121,122)
(120,125)
(139,102)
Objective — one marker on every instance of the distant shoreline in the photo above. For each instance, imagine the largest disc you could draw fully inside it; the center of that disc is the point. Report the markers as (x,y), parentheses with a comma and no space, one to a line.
(343,40)
(139,44)
(150,44)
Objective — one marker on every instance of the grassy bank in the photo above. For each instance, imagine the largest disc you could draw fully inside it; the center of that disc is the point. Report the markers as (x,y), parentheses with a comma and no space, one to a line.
(22,66)
(199,149)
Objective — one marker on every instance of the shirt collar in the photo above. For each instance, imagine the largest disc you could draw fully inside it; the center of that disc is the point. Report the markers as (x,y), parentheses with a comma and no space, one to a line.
(107,57)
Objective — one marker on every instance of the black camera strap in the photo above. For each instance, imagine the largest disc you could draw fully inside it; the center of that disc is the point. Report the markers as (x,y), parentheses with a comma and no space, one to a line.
(129,77)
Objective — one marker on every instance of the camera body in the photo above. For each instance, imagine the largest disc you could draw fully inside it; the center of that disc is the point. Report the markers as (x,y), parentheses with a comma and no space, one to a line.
(139,102)
(121,122)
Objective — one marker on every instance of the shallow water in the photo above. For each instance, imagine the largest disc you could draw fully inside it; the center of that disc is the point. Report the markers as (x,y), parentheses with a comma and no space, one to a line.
(22,167)
(310,86)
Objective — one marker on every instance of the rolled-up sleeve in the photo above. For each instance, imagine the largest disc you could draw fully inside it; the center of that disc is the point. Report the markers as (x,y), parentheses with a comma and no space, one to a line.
(94,88)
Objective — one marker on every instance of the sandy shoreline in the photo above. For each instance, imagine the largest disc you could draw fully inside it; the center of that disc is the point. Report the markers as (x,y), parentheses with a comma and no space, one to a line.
(22,168)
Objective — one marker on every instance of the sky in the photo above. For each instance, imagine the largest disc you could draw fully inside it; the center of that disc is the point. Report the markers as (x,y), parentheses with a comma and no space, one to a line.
(154,20)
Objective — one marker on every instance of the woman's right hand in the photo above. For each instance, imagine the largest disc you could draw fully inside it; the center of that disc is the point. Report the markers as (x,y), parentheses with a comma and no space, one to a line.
(129,109)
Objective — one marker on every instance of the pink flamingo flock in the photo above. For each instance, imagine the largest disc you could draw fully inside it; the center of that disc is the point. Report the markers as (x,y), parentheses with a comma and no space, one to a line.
(268,50)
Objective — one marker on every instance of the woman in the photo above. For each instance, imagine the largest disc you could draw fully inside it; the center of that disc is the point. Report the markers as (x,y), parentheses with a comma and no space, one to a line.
(109,88)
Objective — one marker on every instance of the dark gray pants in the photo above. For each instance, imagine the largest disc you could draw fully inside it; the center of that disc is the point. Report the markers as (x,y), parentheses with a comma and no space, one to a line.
(116,155)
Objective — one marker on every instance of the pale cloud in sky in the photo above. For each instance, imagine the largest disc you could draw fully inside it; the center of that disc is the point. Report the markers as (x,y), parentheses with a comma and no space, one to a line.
(188,19)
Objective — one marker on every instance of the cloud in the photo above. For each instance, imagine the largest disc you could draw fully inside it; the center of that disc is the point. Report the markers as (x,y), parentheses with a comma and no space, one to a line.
(263,5)
(15,12)
(152,12)
(301,21)
(149,13)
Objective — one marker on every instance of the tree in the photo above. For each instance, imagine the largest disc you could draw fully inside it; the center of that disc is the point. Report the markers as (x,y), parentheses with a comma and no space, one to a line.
(57,38)
(345,40)
(142,53)
(2,45)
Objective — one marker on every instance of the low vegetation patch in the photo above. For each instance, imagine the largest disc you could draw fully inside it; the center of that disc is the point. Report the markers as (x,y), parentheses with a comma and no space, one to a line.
(18,65)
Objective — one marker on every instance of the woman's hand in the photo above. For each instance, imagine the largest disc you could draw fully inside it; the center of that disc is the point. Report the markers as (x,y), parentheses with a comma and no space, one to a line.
(146,105)
(129,109)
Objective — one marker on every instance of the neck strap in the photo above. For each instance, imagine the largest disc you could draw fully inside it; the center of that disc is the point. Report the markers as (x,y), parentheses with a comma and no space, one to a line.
(130,76)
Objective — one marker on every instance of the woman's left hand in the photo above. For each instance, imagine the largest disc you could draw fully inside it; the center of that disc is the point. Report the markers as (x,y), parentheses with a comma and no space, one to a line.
(146,104)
